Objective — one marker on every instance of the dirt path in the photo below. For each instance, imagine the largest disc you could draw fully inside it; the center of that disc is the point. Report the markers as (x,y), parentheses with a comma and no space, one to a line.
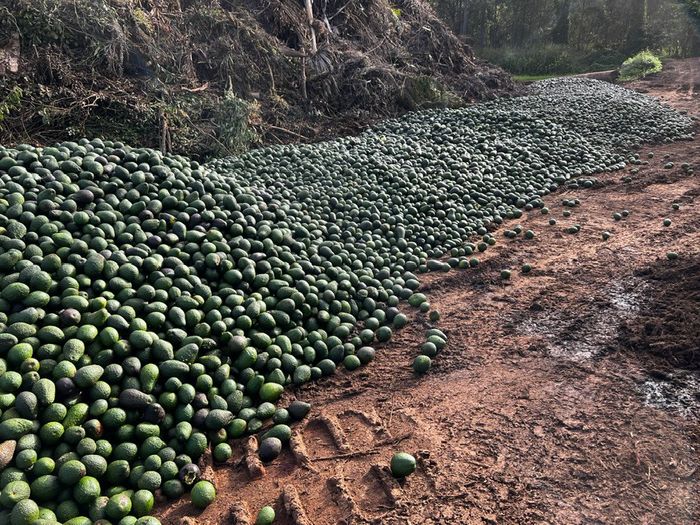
(540,410)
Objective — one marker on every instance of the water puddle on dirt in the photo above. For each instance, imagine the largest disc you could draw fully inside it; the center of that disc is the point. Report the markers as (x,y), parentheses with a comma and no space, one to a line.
(585,331)
(679,393)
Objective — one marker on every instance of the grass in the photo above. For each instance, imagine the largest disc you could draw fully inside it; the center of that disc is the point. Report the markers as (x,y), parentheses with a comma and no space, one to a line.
(535,78)
(634,68)
(553,60)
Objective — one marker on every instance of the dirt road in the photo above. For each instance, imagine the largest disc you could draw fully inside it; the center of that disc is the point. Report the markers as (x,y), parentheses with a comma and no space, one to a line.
(556,400)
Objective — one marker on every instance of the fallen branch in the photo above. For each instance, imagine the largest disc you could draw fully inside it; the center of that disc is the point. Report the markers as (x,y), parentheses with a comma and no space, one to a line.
(289,52)
(397,440)
(203,87)
(310,17)
(289,131)
(349,455)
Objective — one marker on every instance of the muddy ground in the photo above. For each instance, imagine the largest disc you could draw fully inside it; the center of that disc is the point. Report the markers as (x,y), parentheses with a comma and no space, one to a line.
(564,396)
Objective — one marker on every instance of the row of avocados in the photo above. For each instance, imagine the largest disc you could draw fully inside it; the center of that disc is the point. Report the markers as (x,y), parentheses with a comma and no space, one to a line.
(153,308)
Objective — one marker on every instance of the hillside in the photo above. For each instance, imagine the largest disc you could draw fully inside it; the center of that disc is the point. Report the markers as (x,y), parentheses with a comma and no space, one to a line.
(213,77)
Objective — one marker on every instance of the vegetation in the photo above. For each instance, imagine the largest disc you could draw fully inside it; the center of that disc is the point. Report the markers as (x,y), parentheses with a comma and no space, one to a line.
(539,61)
(153,308)
(10,103)
(215,77)
(640,65)
(540,37)
(535,78)
(693,8)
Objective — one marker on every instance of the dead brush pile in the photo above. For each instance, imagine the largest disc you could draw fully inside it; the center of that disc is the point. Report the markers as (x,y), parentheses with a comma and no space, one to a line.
(668,325)
(214,77)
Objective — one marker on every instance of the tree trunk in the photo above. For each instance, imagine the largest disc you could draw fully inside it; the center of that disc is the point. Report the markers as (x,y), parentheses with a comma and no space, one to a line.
(310,16)
(636,32)
(560,33)
(464,28)
(485,26)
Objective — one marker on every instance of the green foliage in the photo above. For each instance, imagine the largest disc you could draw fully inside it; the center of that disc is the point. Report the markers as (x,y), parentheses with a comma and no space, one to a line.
(425,92)
(539,60)
(210,126)
(91,26)
(143,21)
(535,78)
(640,65)
(232,120)
(693,7)
(552,59)
(602,60)
(539,37)
(11,102)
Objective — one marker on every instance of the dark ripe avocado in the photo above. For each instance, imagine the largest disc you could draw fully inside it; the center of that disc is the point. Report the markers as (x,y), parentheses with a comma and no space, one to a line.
(133,398)
(269,449)
(65,388)
(154,413)
(298,410)
(69,317)
(189,474)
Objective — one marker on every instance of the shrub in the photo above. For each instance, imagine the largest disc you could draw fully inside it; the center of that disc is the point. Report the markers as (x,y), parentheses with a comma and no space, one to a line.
(535,60)
(640,65)
(603,59)
(10,102)
(425,92)
(552,59)
(233,118)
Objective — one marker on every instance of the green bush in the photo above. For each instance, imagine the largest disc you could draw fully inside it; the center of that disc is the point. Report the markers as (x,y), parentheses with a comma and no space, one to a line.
(603,59)
(232,119)
(640,65)
(425,92)
(10,102)
(547,60)
(535,60)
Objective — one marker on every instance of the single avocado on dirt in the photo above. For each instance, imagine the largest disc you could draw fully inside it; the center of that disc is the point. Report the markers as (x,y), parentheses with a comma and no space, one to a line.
(402,465)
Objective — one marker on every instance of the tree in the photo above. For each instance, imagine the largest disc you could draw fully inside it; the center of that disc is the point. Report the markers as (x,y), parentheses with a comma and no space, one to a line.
(636,31)
(560,33)
(616,27)
(693,7)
